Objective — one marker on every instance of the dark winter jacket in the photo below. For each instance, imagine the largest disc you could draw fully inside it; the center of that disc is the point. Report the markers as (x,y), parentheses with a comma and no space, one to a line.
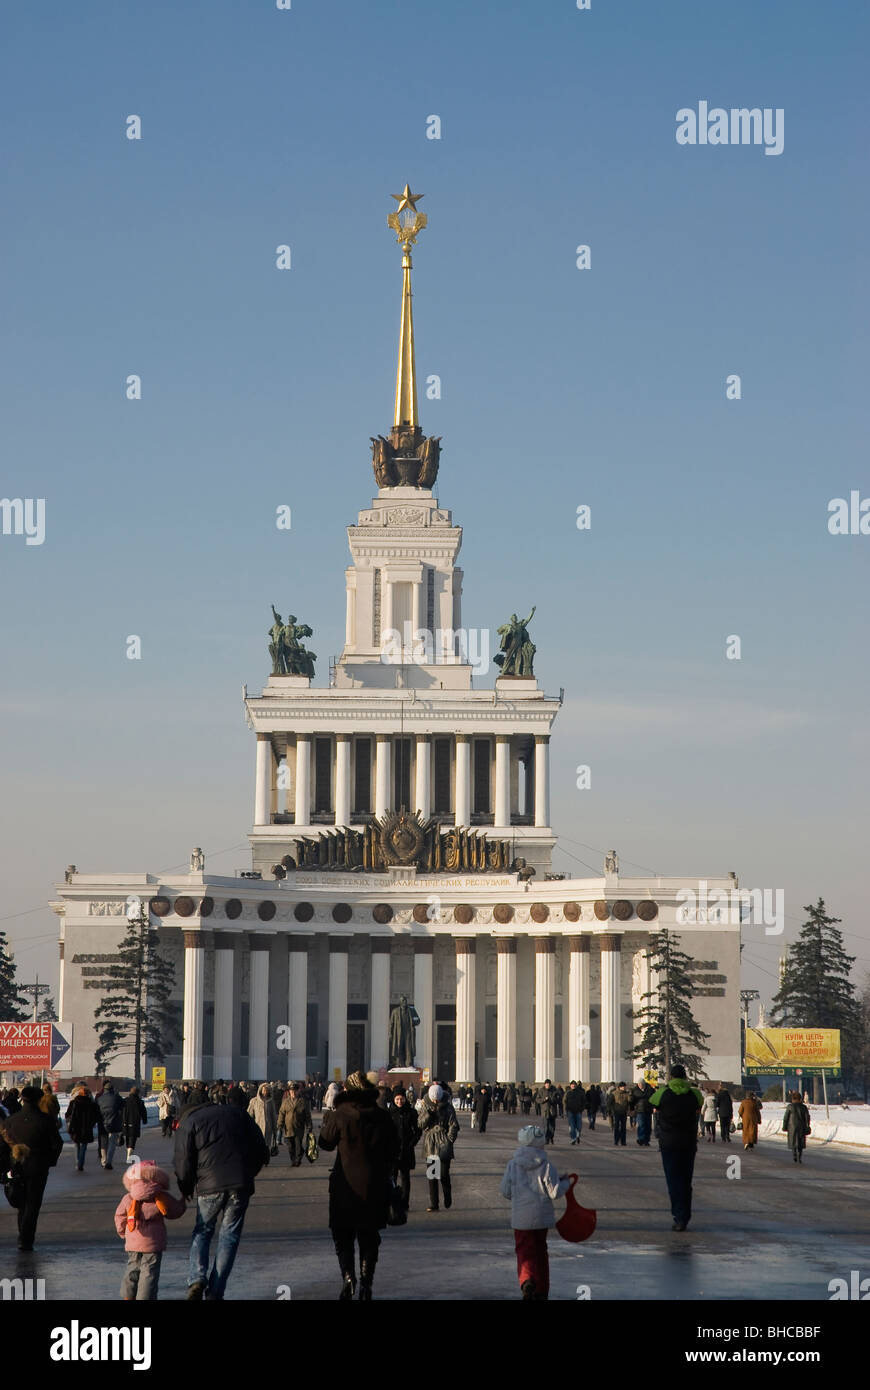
(218,1148)
(640,1098)
(724,1105)
(407,1131)
(593,1099)
(367,1145)
(134,1117)
(575,1100)
(111,1109)
(294,1117)
(482,1102)
(678,1105)
(796,1123)
(38,1132)
(547,1098)
(81,1115)
(438,1124)
(619,1102)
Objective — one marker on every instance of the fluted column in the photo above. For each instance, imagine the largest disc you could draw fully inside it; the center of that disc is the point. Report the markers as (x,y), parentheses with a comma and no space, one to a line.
(379,1008)
(502,780)
(418,622)
(424,1001)
(258,1023)
(542,779)
(338,949)
(263,792)
(342,779)
(423,776)
(297,1006)
(506,1012)
(194,1003)
(611,1023)
(224,984)
(462,800)
(545,1007)
(579,1025)
(382,775)
(466,1010)
(303,779)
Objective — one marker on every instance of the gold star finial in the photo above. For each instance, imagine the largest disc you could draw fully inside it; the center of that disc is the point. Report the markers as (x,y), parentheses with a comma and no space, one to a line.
(407,199)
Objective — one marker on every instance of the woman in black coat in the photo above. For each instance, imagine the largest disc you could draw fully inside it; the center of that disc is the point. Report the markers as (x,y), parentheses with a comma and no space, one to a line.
(133,1118)
(359,1183)
(82,1114)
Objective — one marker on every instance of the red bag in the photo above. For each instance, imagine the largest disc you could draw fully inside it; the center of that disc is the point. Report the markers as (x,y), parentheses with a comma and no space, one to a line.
(578,1222)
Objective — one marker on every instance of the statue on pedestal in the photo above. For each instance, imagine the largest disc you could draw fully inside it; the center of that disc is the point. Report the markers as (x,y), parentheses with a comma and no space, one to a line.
(517,653)
(404,1022)
(289,657)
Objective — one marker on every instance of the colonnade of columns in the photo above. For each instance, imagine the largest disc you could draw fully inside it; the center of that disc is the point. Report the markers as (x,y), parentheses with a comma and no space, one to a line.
(264,797)
(261,1043)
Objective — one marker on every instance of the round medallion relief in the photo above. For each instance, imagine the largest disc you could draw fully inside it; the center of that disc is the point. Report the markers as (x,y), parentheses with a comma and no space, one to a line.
(602,910)
(161,907)
(539,912)
(571,912)
(342,912)
(622,910)
(462,913)
(647,911)
(303,912)
(266,910)
(503,913)
(233,908)
(206,907)
(382,914)
(421,913)
(185,907)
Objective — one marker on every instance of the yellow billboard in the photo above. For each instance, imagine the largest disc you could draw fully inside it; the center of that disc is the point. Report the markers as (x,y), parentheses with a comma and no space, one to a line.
(781,1050)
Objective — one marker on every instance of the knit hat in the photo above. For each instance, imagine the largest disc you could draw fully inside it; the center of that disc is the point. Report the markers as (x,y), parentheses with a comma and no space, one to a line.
(435,1094)
(532,1135)
(358,1081)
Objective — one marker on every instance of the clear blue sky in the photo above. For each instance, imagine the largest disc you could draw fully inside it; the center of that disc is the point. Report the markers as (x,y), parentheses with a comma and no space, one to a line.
(560,387)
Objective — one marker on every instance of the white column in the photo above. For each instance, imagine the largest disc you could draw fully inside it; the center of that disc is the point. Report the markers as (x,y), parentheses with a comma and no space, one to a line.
(465,1008)
(545,1008)
(342,779)
(386,606)
(542,779)
(382,775)
(379,1012)
(338,948)
(194,990)
(223,1006)
(502,780)
(579,1026)
(258,1020)
(350,613)
(263,794)
(462,801)
(424,1002)
(297,1007)
(506,1014)
(303,780)
(423,773)
(417,611)
(612,1065)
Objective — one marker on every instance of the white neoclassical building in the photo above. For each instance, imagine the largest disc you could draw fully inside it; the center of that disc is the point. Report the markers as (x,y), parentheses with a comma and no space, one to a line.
(401,845)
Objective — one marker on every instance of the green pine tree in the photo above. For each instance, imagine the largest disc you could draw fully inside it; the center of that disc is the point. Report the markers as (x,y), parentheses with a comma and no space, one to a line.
(13,1005)
(134,1015)
(668,1026)
(47,1011)
(816,990)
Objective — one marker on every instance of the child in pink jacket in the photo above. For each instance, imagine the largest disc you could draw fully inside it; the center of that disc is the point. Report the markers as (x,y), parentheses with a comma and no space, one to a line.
(139,1221)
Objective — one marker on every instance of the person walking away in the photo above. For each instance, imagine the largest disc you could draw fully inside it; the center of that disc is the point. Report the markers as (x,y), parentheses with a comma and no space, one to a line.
(725,1112)
(295,1120)
(482,1107)
(365,1139)
(575,1104)
(548,1103)
(139,1221)
(111,1109)
(440,1129)
(219,1150)
(749,1112)
(166,1110)
(82,1114)
(404,1117)
(11,1101)
(593,1103)
(643,1110)
(618,1106)
(49,1104)
(710,1117)
(532,1184)
(134,1117)
(262,1111)
(678,1106)
(332,1091)
(31,1141)
(796,1123)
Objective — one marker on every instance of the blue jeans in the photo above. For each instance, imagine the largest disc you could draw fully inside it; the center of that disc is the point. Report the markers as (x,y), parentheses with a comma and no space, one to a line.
(575,1123)
(81,1154)
(644,1128)
(231,1206)
(108,1145)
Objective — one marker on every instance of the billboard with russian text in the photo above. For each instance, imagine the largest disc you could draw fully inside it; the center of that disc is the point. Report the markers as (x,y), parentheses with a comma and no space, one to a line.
(783,1050)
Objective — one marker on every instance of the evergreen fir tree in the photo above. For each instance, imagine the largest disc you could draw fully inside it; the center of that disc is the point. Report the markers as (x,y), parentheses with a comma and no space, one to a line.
(816,991)
(47,1011)
(134,1015)
(668,1026)
(13,1005)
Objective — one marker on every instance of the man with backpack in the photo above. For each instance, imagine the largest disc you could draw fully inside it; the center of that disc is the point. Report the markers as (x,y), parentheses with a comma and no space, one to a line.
(678,1106)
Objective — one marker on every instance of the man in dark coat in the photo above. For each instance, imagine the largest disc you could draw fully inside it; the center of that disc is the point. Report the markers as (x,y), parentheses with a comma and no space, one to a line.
(111,1108)
(724,1111)
(404,1117)
(482,1106)
(575,1104)
(678,1105)
(367,1144)
(219,1150)
(134,1117)
(593,1103)
(294,1118)
(547,1101)
(642,1110)
(30,1140)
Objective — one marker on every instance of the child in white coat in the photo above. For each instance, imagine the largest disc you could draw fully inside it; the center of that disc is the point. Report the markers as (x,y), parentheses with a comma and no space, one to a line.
(532,1184)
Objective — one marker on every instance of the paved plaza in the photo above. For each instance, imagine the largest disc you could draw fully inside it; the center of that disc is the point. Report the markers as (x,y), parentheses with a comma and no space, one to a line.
(777,1232)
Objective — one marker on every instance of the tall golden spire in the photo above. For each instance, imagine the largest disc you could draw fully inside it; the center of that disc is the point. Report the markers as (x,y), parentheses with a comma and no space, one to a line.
(406,222)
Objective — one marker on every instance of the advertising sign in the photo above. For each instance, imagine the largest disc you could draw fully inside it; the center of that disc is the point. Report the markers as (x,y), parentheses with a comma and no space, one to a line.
(36,1046)
(158,1078)
(782,1050)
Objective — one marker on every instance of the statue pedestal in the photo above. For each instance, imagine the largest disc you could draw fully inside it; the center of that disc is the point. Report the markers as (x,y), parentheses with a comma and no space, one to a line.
(404,1077)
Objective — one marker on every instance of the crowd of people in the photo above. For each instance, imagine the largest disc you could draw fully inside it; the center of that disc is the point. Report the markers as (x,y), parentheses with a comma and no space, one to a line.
(225,1133)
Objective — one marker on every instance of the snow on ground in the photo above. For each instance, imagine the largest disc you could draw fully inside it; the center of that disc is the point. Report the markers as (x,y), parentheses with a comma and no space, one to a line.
(847,1124)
